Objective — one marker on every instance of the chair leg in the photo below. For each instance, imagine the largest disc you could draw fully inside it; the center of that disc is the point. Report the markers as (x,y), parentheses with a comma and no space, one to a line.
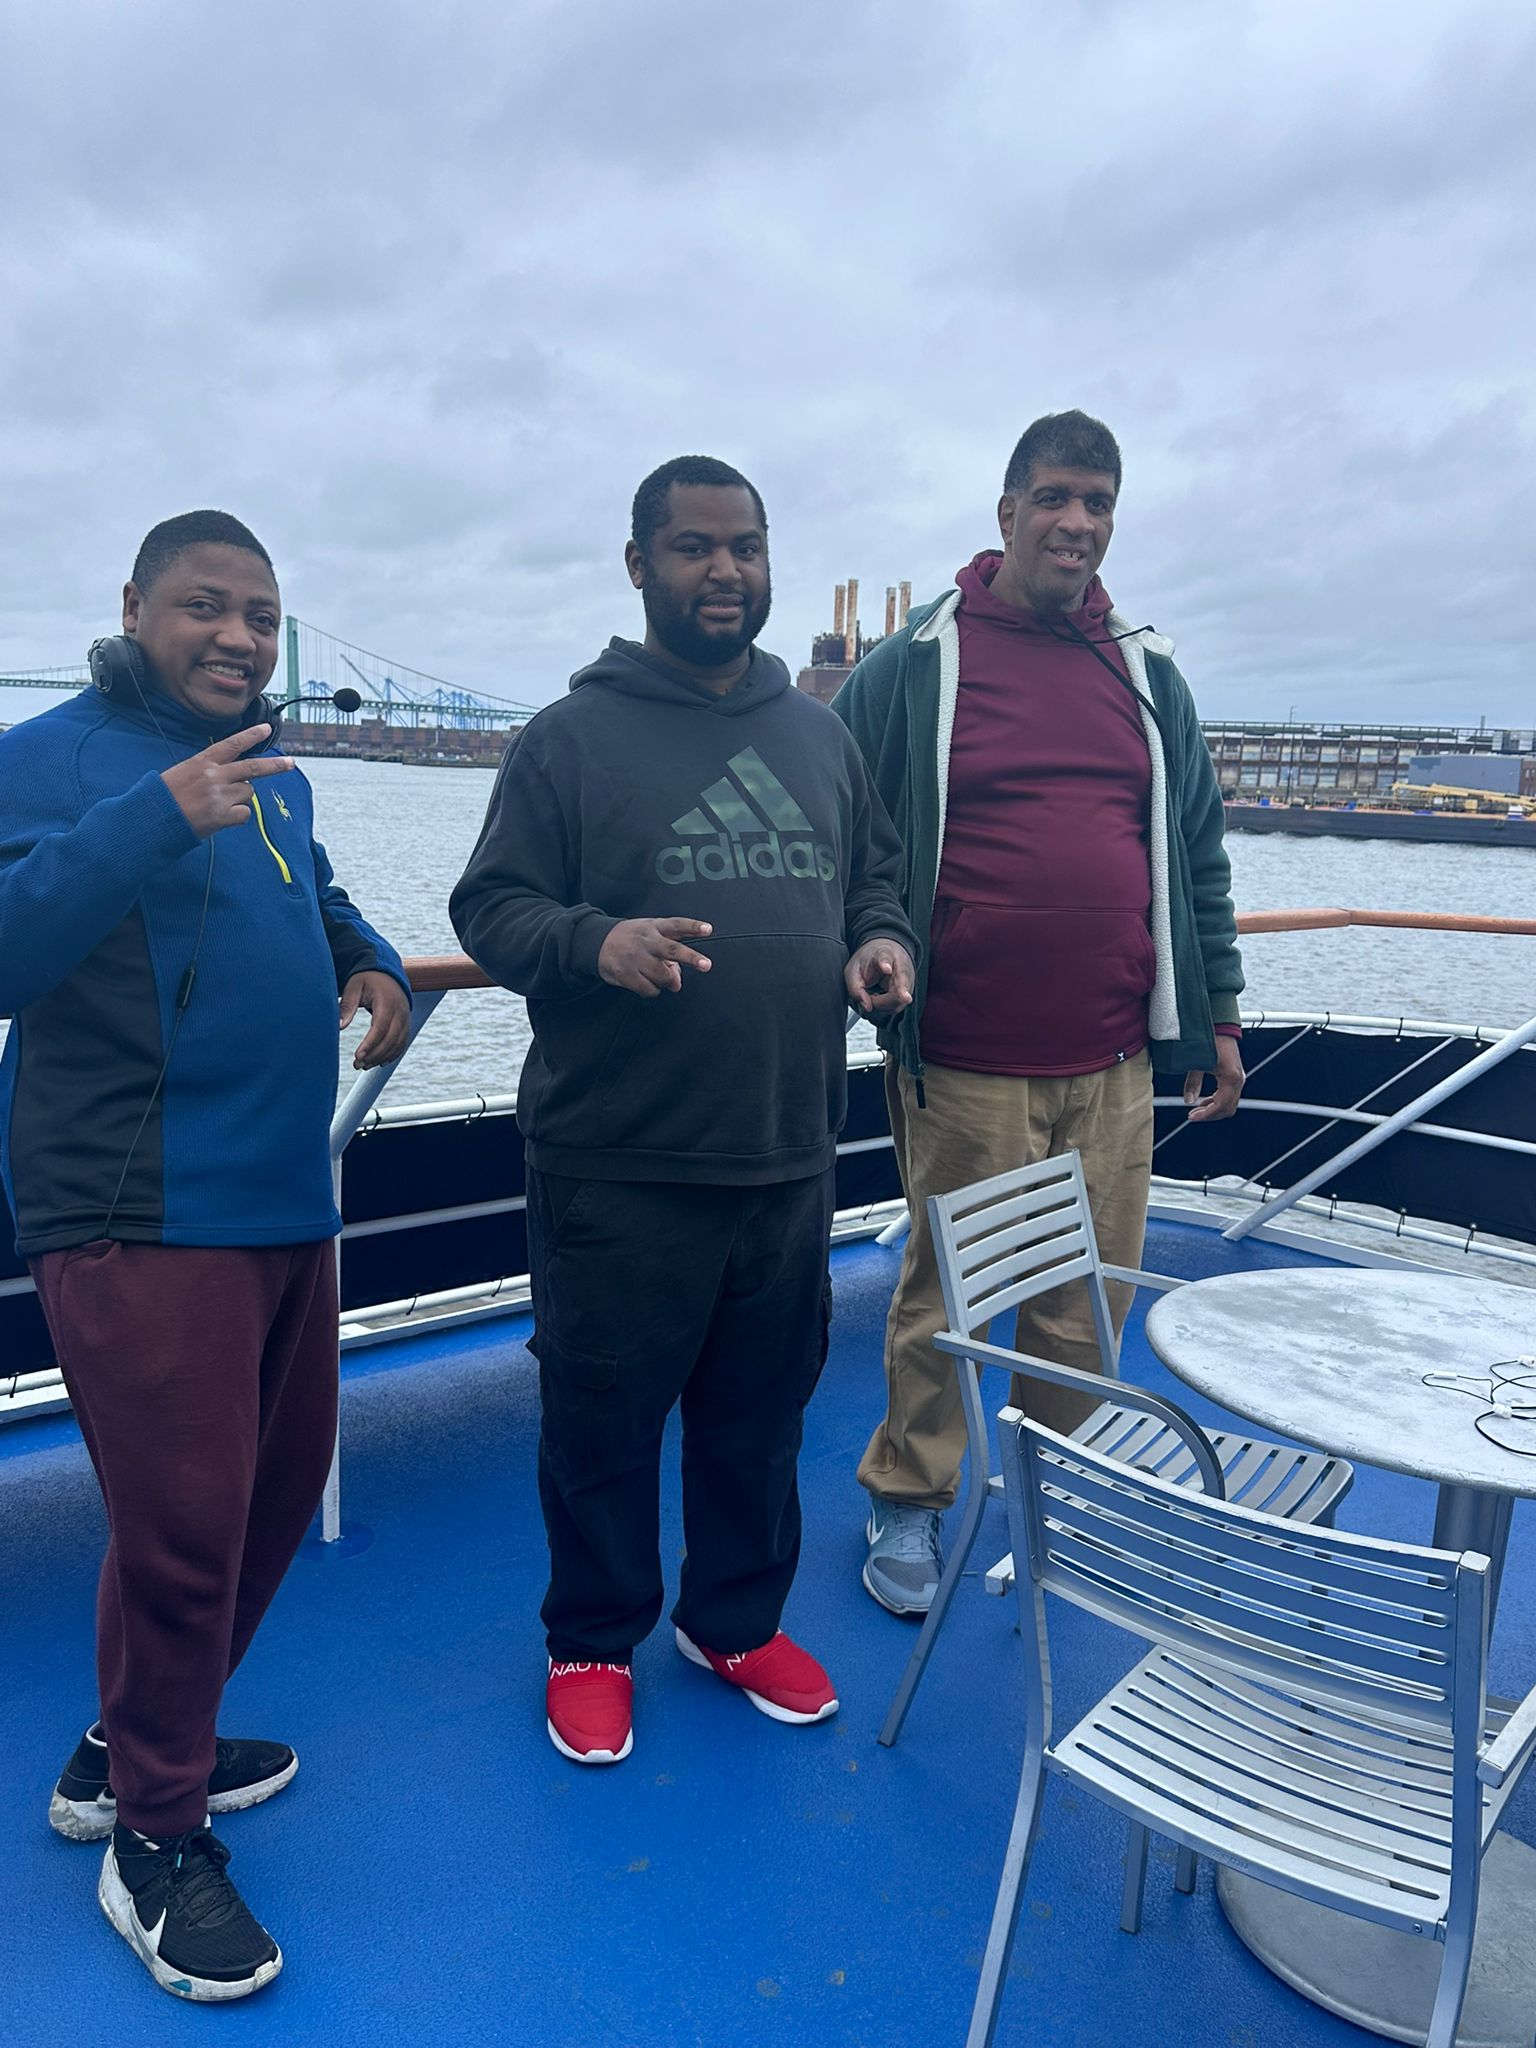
(1010,1894)
(1135,1879)
(1455,1967)
(917,1663)
(1185,1871)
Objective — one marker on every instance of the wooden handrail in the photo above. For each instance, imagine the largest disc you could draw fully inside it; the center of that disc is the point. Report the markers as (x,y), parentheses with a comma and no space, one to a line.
(453,970)
(446,970)
(1405,920)
(1292,920)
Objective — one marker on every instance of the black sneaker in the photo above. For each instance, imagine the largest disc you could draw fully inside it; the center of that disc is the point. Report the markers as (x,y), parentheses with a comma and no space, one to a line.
(174,1905)
(84,1808)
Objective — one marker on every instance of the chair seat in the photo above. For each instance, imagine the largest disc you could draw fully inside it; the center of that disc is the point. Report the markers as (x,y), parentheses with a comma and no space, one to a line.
(1343,1807)
(1273,1479)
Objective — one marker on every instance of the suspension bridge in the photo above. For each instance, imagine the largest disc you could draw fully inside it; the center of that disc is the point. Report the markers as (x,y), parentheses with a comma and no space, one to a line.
(316,663)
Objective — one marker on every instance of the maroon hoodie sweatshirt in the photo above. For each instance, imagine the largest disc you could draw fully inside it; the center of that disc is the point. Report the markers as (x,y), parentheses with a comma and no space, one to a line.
(1042,957)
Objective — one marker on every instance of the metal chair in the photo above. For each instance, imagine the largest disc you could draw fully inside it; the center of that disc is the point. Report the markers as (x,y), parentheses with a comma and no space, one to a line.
(1002,1241)
(1312,1713)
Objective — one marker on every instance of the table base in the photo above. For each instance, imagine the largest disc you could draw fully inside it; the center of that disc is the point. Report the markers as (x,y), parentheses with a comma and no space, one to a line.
(1385,1981)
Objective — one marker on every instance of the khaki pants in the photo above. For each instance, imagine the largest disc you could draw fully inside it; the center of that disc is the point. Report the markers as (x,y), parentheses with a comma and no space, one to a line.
(976,1125)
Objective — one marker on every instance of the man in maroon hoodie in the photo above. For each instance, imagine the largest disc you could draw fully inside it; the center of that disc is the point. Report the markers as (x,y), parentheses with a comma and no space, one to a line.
(1043,760)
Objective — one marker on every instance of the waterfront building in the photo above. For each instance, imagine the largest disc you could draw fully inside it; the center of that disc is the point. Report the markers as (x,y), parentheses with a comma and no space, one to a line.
(1327,762)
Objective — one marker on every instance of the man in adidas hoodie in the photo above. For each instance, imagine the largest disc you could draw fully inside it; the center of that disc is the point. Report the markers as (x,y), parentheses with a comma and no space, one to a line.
(173,950)
(685,871)
(1065,870)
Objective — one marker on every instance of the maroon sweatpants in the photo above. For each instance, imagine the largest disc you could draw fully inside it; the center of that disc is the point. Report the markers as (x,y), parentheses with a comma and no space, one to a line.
(204,1383)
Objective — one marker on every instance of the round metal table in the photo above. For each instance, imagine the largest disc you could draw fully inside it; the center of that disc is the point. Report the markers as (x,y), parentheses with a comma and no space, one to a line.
(1340,1360)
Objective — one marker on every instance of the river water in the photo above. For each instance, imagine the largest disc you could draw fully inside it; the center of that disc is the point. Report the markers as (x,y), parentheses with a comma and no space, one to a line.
(399,838)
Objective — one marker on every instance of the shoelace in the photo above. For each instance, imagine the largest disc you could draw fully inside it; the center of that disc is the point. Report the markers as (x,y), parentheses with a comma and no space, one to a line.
(913,1538)
(204,1896)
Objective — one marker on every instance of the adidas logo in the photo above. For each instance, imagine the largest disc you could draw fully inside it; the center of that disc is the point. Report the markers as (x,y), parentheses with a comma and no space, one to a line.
(752,826)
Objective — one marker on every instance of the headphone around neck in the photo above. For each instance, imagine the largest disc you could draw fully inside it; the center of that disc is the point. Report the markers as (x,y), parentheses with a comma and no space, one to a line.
(121,673)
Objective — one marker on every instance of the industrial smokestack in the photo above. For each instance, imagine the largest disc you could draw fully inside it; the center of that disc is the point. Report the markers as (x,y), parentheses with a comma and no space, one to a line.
(905,604)
(890,608)
(837,611)
(851,618)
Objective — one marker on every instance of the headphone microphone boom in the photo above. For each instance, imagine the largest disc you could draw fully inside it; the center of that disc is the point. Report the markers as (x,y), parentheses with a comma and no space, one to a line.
(344,699)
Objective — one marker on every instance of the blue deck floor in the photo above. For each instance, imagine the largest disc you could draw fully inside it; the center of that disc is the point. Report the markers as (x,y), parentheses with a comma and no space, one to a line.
(438,1874)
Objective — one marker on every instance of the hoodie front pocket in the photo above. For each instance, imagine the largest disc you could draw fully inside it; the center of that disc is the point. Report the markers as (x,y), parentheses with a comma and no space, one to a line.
(631,1027)
(1042,991)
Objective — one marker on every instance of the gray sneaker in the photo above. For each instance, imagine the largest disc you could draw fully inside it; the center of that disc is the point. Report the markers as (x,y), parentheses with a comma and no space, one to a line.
(905,1563)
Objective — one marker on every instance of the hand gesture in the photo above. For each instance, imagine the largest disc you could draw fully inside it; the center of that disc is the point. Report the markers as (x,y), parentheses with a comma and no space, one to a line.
(213,788)
(647,954)
(879,977)
(386,1002)
(1229,1085)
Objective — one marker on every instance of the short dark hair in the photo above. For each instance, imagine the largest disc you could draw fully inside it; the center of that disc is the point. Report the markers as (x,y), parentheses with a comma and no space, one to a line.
(1064,440)
(172,537)
(650,509)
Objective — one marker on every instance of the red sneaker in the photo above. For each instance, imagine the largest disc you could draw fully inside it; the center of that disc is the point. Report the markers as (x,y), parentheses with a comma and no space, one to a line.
(588,1709)
(781,1680)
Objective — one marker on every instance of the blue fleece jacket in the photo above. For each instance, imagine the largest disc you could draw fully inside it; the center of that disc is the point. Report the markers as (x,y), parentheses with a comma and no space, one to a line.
(103,887)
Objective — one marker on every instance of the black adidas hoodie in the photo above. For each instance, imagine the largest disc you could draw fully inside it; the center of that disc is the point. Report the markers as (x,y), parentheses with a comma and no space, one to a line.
(641,795)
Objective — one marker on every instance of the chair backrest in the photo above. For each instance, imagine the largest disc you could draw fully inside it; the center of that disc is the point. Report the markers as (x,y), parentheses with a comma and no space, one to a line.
(1309,1610)
(1000,1241)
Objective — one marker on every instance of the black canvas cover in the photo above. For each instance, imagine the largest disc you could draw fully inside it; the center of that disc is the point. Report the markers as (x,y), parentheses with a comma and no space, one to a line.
(416,1169)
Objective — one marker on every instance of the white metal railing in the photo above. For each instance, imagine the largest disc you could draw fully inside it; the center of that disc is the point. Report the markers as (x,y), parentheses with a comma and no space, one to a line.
(37,1392)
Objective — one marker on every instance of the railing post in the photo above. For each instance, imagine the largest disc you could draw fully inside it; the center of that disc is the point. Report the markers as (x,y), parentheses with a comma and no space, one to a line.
(360,1098)
(1499,1051)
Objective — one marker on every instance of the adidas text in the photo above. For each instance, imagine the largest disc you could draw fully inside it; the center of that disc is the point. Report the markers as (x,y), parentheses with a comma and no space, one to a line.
(728,860)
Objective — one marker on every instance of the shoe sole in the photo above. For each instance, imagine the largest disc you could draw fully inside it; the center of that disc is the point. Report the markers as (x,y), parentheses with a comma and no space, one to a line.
(590,1756)
(117,1903)
(907,1613)
(82,1820)
(92,1820)
(763,1705)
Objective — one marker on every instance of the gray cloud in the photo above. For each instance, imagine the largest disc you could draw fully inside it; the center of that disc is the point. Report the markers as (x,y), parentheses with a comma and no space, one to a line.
(421,294)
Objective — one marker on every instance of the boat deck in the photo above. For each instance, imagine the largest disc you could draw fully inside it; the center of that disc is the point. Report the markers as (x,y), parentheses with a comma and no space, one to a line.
(438,1874)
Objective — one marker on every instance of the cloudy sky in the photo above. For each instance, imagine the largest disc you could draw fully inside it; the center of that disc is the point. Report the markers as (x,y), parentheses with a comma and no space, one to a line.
(421,291)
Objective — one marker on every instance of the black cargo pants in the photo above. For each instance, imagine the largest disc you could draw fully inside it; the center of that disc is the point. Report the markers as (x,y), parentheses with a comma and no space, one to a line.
(645,1294)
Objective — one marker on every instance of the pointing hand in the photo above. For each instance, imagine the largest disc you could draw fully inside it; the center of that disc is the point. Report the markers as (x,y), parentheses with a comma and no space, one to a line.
(647,954)
(213,788)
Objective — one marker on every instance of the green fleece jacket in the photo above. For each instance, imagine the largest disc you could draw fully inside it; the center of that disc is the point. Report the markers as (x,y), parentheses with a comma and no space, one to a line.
(899,704)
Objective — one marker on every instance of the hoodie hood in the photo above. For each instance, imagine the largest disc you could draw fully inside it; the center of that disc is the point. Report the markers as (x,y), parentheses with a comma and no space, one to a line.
(625,666)
(975,585)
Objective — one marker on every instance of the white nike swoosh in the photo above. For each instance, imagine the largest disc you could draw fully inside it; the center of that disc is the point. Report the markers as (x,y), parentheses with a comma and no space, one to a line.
(148,1938)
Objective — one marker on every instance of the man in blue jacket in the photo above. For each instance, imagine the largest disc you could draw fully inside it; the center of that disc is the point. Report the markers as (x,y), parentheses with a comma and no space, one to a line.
(172,951)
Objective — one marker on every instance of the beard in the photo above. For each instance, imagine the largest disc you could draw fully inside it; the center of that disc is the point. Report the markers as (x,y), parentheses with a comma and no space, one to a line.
(685,635)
